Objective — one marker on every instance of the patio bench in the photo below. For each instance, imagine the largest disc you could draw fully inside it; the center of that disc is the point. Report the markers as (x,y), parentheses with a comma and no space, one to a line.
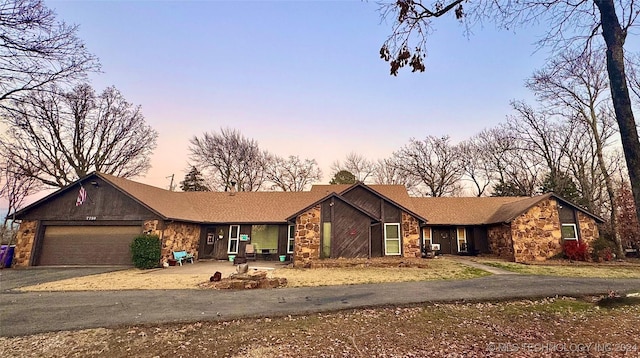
(180,256)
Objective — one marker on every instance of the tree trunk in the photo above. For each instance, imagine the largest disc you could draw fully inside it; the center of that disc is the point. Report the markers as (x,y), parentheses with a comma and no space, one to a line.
(614,37)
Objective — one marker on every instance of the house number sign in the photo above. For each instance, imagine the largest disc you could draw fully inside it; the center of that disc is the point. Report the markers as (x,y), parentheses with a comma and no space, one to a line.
(91,218)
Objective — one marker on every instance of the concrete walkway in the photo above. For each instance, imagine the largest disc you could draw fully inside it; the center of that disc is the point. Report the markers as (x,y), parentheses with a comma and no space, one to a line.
(33,312)
(468,262)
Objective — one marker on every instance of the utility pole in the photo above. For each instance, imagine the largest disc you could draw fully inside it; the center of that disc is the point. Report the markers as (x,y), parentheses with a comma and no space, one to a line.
(171,187)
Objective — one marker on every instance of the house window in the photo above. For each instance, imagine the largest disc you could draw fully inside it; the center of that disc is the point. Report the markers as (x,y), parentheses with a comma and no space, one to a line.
(291,239)
(265,238)
(569,232)
(426,237)
(234,238)
(326,240)
(392,239)
(462,239)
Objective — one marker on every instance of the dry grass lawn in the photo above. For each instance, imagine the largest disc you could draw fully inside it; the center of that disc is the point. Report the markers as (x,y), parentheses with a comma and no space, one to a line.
(440,269)
(134,279)
(629,269)
(563,327)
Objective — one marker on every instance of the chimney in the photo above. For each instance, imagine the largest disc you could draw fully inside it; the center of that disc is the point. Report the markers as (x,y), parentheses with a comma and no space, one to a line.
(232,190)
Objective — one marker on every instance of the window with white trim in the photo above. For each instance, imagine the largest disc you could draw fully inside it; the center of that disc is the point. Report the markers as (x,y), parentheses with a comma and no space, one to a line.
(426,237)
(569,232)
(462,239)
(392,239)
(234,239)
(291,239)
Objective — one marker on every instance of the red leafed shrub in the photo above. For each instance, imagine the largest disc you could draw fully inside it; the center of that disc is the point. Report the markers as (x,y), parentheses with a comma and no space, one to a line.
(576,250)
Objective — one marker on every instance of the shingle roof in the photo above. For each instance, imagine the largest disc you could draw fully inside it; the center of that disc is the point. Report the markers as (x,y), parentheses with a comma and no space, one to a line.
(250,207)
(272,207)
(461,211)
(169,204)
(216,207)
(509,211)
(481,211)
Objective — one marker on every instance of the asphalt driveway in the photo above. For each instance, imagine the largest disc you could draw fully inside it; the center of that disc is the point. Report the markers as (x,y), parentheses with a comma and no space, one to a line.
(33,312)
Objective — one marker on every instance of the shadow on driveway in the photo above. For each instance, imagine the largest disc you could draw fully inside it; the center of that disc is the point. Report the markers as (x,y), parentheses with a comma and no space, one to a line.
(14,278)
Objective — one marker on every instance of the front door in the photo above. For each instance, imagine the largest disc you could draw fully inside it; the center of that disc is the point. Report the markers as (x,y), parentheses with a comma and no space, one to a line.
(214,243)
(446,237)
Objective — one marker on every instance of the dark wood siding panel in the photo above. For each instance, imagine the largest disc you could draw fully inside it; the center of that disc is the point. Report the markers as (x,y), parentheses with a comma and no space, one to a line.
(283,233)
(567,214)
(244,230)
(350,232)
(365,199)
(392,213)
(325,211)
(376,240)
(104,202)
(217,250)
(480,240)
(221,246)
(87,245)
(205,250)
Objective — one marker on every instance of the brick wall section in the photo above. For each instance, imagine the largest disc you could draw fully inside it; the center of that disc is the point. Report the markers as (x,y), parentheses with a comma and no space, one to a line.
(410,236)
(176,236)
(588,228)
(500,243)
(24,243)
(307,241)
(536,233)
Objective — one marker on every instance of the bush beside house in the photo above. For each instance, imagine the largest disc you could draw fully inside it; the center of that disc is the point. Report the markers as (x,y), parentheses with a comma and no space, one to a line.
(146,251)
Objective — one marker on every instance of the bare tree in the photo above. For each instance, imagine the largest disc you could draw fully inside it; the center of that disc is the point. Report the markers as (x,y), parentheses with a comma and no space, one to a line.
(292,173)
(434,163)
(57,137)
(356,164)
(476,163)
(629,227)
(546,137)
(37,50)
(14,189)
(516,172)
(580,25)
(575,86)
(389,171)
(232,161)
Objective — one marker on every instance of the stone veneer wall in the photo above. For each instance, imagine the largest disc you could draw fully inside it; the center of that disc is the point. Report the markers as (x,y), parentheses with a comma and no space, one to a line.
(24,243)
(307,240)
(176,236)
(500,242)
(410,236)
(588,228)
(152,227)
(536,233)
(180,237)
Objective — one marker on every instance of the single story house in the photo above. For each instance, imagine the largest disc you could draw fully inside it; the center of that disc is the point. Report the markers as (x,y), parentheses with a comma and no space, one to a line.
(329,221)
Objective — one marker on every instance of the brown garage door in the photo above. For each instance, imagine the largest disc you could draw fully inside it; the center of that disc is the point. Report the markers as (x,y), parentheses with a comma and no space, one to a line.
(87,245)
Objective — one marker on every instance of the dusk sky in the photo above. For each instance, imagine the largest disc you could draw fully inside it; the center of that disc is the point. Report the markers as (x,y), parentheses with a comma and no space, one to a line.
(300,77)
